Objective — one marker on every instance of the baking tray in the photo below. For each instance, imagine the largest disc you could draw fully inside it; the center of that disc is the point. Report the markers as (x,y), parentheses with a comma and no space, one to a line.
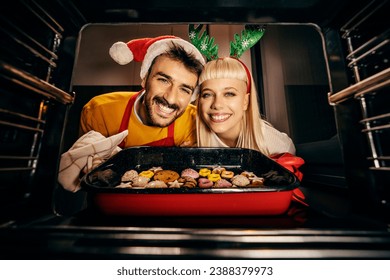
(271,199)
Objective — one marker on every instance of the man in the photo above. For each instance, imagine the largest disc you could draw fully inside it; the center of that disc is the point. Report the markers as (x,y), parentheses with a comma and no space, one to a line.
(158,115)
(161,113)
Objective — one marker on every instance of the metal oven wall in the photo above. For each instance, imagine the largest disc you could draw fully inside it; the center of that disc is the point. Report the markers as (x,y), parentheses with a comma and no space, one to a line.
(36,60)
(37,55)
(362,105)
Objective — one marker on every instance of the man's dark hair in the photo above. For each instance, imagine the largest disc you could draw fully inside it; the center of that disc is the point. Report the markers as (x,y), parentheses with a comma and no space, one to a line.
(178,53)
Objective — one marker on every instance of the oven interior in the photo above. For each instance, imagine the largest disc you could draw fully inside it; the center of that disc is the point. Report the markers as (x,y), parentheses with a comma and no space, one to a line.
(326,64)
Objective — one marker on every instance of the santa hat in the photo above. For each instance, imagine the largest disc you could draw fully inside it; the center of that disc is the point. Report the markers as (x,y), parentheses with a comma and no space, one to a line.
(147,49)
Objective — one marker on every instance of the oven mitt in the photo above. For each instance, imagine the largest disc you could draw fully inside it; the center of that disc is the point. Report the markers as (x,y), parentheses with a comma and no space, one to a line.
(292,163)
(87,152)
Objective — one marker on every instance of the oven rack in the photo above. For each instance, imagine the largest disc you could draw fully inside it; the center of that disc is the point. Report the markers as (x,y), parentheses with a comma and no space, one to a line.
(369,63)
(33,100)
(363,106)
(376,127)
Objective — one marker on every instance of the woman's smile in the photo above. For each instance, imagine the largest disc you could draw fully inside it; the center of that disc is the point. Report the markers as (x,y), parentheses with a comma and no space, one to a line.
(219,117)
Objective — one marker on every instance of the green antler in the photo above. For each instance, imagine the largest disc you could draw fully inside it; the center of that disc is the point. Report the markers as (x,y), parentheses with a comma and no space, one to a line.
(204,43)
(249,37)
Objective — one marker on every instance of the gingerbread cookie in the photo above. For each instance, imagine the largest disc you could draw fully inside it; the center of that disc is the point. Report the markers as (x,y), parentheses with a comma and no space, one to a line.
(166,176)
(189,182)
(227,174)
(218,170)
(257,181)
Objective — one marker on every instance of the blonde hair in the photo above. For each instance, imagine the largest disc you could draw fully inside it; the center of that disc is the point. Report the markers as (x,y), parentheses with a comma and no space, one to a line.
(252,123)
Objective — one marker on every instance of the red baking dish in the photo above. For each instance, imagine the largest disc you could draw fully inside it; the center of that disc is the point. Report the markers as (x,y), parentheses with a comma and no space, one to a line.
(271,199)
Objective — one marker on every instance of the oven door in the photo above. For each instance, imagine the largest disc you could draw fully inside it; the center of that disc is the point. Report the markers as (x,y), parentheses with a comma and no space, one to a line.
(45,80)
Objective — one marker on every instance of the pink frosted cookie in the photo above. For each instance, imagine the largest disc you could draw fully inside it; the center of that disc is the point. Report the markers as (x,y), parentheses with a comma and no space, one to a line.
(189,172)
(129,176)
(156,184)
(205,183)
(223,183)
(140,182)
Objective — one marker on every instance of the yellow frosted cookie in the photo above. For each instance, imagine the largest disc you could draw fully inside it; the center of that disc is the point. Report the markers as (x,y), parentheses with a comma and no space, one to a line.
(147,174)
(213,177)
(204,172)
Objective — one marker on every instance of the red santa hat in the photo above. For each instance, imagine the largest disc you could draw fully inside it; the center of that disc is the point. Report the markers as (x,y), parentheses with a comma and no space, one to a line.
(147,49)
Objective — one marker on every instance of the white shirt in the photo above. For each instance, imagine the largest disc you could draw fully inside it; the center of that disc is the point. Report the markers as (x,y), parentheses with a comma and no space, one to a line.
(277,142)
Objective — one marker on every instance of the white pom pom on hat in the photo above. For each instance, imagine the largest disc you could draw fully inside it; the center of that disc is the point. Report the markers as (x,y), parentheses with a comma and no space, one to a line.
(121,53)
(147,49)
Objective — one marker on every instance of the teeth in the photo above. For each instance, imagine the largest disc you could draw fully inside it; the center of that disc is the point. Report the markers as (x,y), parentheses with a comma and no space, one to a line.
(219,117)
(165,109)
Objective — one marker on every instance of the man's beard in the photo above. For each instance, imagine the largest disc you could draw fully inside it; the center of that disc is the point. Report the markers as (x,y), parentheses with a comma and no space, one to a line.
(149,109)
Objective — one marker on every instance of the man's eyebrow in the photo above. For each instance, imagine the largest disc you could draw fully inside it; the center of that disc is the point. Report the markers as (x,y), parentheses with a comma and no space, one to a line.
(171,79)
(164,75)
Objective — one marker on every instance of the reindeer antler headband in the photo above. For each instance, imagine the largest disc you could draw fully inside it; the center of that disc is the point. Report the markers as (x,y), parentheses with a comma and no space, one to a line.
(205,44)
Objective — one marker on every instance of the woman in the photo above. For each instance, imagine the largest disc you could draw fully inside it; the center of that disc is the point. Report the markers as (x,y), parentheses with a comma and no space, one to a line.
(228,111)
